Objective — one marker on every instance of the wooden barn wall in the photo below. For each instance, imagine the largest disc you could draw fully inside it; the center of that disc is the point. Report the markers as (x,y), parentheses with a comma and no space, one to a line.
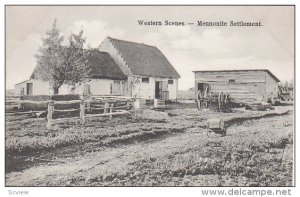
(248,85)
(271,86)
(242,76)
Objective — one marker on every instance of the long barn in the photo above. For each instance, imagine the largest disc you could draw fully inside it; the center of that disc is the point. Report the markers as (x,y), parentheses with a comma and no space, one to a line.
(246,85)
(119,68)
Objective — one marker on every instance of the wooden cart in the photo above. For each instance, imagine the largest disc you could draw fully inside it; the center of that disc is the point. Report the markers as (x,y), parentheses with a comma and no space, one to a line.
(212,100)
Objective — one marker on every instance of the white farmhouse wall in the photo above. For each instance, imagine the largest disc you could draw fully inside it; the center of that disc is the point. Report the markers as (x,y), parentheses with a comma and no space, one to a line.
(38,87)
(173,88)
(97,87)
(41,88)
(100,87)
(147,90)
(143,90)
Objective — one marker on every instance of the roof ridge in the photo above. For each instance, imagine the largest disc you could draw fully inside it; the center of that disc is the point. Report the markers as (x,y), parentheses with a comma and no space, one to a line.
(143,59)
(227,70)
(131,42)
(235,70)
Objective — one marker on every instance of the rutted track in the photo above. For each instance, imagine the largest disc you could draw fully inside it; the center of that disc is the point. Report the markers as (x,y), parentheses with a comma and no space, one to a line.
(58,155)
(76,153)
(143,162)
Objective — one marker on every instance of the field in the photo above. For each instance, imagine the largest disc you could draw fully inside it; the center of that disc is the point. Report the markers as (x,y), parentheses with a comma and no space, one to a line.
(170,148)
(186,95)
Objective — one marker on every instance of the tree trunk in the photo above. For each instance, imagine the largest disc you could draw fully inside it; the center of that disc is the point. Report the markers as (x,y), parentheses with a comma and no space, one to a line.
(55,90)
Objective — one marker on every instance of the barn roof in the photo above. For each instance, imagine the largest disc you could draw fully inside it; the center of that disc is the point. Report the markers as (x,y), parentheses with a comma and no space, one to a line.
(245,70)
(144,59)
(22,82)
(102,66)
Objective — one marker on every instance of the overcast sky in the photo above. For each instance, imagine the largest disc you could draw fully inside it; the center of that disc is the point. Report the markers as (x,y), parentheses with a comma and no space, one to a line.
(188,48)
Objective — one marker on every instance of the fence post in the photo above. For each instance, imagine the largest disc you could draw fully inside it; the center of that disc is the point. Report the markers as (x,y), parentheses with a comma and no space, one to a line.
(82,112)
(49,115)
(88,105)
(105,107)
(110,110)
(19,102)
(136,106)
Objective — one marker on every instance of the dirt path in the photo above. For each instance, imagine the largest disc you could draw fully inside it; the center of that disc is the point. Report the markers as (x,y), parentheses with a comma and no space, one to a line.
(113,159)
(120,160)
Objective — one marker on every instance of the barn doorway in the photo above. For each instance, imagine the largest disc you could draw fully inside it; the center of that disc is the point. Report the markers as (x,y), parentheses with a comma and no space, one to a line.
(29,88)
(158,89)
(202,86)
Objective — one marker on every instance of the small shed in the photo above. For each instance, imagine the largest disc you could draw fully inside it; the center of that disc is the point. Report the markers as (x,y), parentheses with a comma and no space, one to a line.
(258,85)
(24,87)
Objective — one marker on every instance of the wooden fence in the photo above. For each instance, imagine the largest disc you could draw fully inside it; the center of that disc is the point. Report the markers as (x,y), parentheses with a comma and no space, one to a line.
(11,102)
(108,105)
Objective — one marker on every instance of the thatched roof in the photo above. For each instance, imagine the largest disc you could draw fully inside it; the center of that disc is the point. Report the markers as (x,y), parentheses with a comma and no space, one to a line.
(101,65)
(144,60)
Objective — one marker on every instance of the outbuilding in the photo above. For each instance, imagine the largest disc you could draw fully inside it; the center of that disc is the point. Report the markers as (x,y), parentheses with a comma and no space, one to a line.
(258,85)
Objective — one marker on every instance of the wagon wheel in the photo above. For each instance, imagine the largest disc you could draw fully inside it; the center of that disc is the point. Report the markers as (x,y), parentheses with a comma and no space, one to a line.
(226,101)
(205,92)
(205,96)
(220,98)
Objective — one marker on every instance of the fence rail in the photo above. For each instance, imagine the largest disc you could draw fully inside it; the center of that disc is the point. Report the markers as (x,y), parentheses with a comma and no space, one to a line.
(109,106)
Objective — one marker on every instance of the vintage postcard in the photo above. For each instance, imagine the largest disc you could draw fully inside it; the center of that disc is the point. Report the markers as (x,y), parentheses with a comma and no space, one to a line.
(149,95)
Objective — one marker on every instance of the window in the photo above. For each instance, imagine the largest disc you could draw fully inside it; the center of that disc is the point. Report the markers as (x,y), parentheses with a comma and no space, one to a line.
(22,91)
(231,80)
(170,81)
(145,80)
(111,88)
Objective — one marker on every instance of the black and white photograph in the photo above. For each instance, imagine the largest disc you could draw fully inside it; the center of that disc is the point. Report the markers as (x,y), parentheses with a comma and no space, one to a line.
(149,96)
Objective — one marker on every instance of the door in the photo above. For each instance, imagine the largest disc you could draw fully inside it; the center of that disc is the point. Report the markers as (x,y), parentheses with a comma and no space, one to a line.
(202,86)
(158,89)
(29,89)
(165,92)
(117,88)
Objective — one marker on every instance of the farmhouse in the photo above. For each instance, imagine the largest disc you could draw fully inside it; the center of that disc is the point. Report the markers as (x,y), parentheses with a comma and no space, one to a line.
(105,78)
(150,75)
(256,85)
(118,67)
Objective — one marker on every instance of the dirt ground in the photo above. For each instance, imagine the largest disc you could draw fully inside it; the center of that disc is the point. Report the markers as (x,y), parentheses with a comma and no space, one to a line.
(171,148)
